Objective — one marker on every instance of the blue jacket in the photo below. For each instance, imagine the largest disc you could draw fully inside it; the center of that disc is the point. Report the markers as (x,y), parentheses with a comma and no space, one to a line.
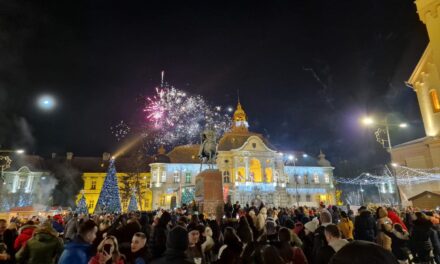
(77,251)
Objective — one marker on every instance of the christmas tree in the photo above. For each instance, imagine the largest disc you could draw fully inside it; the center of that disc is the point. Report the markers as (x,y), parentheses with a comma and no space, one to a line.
(133,206)
(81,208)
(109,201)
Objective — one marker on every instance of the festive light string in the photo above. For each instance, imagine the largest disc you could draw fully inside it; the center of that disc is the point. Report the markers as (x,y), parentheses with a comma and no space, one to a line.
(404,175)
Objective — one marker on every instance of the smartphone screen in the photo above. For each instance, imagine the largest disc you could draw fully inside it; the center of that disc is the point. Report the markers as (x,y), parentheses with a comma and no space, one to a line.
(107,248)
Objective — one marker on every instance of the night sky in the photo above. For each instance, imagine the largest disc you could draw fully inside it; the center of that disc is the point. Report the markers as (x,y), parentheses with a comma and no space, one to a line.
(306,70)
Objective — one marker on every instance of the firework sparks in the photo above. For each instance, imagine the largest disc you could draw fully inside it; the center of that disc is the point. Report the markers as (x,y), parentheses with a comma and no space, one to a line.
(174,117)
(120,130)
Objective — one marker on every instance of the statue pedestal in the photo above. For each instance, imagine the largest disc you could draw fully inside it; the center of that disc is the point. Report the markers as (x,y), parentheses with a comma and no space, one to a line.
(209,193)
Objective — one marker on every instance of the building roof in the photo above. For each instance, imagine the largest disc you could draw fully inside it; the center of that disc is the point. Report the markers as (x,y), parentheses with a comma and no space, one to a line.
(33,162)
(185,154)
(423,194)
(412,142)
(235,139)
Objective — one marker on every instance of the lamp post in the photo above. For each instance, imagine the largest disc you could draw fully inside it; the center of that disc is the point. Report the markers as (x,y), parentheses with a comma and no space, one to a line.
(6,160)
(369,121)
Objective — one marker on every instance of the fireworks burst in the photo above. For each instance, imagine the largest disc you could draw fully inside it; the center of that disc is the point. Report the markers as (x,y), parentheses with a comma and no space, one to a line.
(175,117)
(120,130)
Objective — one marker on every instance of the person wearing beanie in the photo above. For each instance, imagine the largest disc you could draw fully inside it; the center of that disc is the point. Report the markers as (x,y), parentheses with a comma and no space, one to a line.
(177,243)
(194,250)
(309,229)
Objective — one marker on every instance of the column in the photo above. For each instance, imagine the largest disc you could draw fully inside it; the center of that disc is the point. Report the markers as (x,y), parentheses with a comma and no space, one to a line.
(246,164)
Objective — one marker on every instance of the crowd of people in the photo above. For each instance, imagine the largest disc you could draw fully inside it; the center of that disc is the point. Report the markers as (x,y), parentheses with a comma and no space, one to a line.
(248,234)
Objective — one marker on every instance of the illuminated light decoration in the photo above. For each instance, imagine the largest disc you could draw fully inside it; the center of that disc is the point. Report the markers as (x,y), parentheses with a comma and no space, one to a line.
(120,130)
(81,208)
(133,205)
(109,200)
(188,195)
(404,175)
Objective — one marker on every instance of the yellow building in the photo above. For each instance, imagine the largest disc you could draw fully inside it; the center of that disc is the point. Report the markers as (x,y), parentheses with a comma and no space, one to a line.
(94,171)
(425,80)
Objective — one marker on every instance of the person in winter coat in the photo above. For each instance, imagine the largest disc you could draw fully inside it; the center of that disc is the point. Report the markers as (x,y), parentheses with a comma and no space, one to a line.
(399,244)
(176,244)
(261,221)
(335,214)
(157,243)
(231,251)
(346,226)
(43,248)
(319,240)
(290,254)
(364,226)
(9,237)
(395,219)
(107,252)
(294,239)
(78,251)
(335,243)
(420,242)
(124,234)
(24,234)
(435,240)
(194,250)
(383,224)
(71,227)
(139,253)
(309,229)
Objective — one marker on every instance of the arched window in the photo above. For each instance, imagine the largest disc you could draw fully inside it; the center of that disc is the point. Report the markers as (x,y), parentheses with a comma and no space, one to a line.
(435,101)
(226,178)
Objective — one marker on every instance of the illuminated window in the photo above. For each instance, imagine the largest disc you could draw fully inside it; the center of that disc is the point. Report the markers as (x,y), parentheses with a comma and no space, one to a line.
(93,185)
(164,176)
(176,176)
(91,203)
(435,101)
(315,178)
(326,178)
(306,178)
(226,178)
(188,177)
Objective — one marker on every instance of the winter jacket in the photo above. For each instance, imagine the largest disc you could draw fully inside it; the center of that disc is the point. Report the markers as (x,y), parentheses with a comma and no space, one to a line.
(71,228)
(9,237)
(383,224)
(25,233)
(396,219)
(95,260)
(77,251)
(365,227)
(346,227)
(320,250)
(399,244)
(42,248)
(420,242)
(158,241)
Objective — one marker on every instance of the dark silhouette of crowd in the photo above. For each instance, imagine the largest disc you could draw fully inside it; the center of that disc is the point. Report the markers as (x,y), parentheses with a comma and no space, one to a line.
(245,234)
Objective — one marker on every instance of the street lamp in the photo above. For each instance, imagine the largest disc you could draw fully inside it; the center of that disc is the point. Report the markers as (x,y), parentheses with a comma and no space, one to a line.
(369,121)
(6,160)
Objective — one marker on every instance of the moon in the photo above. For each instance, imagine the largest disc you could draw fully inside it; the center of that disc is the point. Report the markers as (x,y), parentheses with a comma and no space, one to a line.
(46,102)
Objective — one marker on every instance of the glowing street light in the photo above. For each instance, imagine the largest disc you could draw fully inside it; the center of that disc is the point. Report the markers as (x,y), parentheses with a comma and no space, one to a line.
(403,125)
(19,151)
(46,102)
(291,157)
(305,155)
(368,121)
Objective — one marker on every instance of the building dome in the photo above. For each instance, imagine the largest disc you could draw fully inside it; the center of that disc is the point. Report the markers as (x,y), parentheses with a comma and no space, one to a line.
(322,161)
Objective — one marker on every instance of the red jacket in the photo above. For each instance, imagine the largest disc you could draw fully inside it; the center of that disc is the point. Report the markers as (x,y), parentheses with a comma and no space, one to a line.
(95,260)
(26,233)
(396,219)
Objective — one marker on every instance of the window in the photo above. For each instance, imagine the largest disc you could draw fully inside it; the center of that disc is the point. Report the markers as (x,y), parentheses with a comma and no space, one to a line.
(226,178)
(326,178)
(188,177)
(308,198)
(164,176)
(93,186)
(315,178)
(176,176)
(435,101)
(154,176)
(22,183)
(306,178)
(91,203)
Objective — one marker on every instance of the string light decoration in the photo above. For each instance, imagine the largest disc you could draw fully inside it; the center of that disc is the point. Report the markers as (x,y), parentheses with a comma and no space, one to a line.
(404,175)
(109,200)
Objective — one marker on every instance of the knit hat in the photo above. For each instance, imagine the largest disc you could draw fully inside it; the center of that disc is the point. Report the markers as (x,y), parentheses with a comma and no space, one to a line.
(312,225)
(177,239)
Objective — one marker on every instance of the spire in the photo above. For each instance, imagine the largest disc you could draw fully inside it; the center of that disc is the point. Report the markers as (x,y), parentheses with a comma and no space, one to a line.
(239,119)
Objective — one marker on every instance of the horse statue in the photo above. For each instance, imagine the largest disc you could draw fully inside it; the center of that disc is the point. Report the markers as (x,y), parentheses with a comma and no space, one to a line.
(208,149)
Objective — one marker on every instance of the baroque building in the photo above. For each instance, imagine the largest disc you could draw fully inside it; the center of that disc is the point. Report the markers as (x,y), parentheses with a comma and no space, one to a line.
(252,171)
(424,152)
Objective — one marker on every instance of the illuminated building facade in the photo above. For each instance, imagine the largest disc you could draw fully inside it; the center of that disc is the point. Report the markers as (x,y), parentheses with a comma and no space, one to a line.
(251,168)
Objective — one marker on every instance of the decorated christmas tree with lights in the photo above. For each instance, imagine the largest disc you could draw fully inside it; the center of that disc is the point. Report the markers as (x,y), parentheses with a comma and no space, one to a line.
(109,200)
(133,205)
(82,205)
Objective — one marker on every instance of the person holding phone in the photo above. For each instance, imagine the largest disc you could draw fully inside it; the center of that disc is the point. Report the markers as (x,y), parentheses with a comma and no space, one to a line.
(108,252)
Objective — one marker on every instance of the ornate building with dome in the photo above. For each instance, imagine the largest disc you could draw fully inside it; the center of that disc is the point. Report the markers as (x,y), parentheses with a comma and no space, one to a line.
(253,171)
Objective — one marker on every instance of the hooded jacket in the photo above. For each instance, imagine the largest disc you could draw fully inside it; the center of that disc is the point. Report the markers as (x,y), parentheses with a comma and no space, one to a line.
(42,248)
(383,224)
(78,251)
(346,227)
(25,233)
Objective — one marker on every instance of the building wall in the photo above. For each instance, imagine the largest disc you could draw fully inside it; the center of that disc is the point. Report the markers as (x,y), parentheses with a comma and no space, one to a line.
(427,201)
(93,182)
